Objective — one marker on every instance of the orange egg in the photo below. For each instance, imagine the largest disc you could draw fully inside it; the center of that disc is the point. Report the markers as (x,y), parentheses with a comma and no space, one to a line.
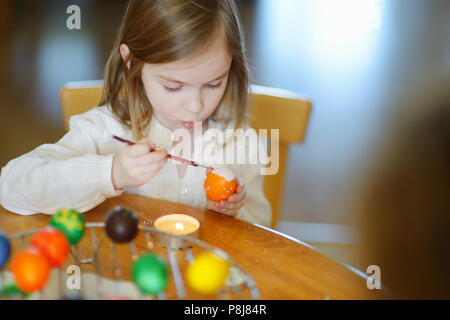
(220,184)
(53,244)
(30,270)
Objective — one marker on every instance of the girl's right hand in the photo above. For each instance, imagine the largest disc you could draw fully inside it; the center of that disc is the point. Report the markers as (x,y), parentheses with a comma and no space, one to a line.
(135,165)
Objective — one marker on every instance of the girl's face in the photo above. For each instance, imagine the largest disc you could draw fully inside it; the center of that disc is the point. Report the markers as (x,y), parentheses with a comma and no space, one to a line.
(185,91)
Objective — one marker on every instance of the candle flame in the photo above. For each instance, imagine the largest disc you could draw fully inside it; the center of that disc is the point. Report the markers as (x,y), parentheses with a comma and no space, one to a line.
(179,226)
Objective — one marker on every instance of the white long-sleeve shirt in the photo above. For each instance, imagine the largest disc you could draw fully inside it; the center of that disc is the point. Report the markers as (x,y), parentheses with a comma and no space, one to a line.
(75,172)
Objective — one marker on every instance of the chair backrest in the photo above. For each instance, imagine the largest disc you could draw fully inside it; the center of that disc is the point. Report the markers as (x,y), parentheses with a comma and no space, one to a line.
(271,108)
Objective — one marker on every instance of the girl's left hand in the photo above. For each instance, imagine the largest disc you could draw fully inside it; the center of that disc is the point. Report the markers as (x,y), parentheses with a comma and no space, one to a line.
(231,206)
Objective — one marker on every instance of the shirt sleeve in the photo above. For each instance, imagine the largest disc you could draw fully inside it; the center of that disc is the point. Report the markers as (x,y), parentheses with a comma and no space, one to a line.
(257,208)
(67,174)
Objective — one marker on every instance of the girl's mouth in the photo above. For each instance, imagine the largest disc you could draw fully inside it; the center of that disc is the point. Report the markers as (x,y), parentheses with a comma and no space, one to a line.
(190,124)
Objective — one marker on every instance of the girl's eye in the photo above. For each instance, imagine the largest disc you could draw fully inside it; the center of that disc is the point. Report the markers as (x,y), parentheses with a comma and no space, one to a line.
(174,90)
(215,86)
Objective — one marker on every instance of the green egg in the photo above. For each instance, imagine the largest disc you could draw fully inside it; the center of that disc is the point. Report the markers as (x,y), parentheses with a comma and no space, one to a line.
(69,222)
(11,291)
(150,274)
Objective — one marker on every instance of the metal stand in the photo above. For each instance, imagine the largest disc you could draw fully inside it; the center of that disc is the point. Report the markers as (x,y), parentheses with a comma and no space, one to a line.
(239,284)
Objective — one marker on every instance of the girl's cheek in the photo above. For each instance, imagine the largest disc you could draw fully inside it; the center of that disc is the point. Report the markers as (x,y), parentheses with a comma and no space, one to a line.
(166,111)
(161,102)
(212,101)
(169,106)
(170,113)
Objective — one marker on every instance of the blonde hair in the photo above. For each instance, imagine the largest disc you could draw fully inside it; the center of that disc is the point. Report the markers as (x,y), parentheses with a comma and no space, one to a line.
(166,31)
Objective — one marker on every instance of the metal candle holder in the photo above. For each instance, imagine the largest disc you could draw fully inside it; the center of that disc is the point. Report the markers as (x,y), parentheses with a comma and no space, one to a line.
(242,287)
(168,240)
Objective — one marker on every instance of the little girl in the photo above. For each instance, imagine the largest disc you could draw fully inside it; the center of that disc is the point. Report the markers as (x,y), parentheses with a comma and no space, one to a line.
(175,64)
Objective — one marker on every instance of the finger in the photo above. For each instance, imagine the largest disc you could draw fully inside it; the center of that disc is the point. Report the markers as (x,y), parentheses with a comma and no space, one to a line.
(209,170)
(235,207)
(220,205)
(138,149)
(151,145)
(223,204)
(230,213)
(147,141)
(227,206)
(240,185)
(242,195)
(150,168)
(233,198)
(211,205)
(143,146)
(152,157)
(236,197)
(222,210)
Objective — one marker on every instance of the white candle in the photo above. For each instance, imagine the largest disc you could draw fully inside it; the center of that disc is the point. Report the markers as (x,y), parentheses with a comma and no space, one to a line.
(179,224)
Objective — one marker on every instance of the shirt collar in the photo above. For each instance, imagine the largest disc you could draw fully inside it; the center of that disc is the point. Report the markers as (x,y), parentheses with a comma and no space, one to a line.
(159,134)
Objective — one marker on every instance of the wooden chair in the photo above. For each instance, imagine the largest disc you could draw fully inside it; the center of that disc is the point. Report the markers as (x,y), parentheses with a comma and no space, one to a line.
(270,109)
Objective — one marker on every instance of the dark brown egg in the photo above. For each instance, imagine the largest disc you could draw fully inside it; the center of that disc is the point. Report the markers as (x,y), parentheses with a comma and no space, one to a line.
(121,224)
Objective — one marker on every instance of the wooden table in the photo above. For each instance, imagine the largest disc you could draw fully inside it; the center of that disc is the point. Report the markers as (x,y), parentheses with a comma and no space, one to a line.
(282,267)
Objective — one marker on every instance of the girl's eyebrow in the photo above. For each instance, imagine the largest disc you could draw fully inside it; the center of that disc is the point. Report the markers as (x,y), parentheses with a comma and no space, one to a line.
(181,82)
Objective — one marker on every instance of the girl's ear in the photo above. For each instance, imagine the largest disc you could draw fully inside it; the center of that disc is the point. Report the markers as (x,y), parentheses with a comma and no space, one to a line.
(124,52)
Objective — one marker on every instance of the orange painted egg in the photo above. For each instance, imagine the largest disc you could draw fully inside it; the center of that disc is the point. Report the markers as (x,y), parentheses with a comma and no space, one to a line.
(30,269)
(220,184)
(53,245)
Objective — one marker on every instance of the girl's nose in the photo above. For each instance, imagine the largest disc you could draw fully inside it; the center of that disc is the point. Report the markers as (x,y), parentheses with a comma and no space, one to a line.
(195,105)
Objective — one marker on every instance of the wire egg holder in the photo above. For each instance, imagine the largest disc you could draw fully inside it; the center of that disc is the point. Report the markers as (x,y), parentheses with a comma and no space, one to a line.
(239,284)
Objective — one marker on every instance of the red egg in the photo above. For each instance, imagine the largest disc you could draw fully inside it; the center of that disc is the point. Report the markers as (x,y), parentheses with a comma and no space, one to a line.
(53,245)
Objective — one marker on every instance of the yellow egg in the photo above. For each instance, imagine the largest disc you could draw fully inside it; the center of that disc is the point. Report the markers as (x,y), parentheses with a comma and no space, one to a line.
(207,273)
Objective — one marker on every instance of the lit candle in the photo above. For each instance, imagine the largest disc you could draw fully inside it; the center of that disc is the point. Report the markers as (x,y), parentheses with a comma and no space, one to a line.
(177,224)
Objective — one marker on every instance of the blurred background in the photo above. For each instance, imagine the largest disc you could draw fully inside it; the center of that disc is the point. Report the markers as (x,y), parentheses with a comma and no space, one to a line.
(355,60)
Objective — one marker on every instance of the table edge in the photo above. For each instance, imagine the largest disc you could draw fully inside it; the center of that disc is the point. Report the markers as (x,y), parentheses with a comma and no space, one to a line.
(349,267)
